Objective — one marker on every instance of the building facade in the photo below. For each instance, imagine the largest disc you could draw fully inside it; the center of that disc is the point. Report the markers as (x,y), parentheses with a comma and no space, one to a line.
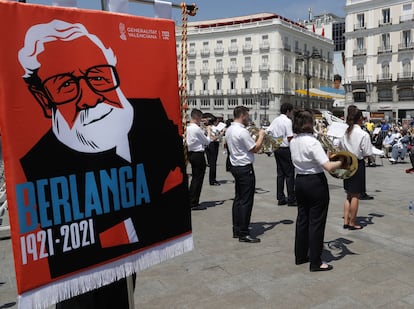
(379,57)
(255,61)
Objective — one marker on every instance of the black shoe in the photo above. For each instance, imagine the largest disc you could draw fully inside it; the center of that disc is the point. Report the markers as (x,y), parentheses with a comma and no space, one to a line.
(330,267)
(249,239)
(236,235)
(199,207)
(282,202)
(214,183)
(366,197)
(294,203)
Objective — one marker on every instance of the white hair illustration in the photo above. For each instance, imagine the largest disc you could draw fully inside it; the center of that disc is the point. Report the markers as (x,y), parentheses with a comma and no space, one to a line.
(38,35)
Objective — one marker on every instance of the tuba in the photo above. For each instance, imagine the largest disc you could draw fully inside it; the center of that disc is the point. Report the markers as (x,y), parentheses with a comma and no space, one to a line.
(270,143)
(350,161)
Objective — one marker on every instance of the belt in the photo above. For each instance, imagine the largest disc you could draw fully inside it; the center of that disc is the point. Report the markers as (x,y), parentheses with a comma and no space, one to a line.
(196,152)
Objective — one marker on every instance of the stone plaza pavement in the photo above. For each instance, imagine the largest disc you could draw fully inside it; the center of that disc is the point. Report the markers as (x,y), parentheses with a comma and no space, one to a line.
(372,267)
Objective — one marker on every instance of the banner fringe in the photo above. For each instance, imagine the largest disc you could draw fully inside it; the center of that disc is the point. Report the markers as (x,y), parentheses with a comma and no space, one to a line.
(103,275)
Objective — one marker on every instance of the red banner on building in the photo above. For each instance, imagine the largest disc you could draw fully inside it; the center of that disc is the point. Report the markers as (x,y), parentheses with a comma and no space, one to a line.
(92,144)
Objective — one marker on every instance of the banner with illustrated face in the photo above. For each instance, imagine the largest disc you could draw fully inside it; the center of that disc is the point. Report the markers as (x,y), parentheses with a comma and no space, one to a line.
(92,144)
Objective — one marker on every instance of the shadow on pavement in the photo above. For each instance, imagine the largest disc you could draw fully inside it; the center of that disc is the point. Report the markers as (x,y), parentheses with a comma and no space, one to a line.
(364,221)
(336,249)
(8,305)
(209,204)
(259,228)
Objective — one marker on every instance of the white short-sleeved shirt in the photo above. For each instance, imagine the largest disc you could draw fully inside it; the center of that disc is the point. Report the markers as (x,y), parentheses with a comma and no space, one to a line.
(196,140)
(307,154)
(239,143)
(358,143)
(281,126)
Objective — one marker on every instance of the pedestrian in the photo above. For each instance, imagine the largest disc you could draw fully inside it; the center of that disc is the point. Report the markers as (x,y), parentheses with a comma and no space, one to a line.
(242,147)
(196,143)
(281,126)
(357,142)
(312,192)
(212,150)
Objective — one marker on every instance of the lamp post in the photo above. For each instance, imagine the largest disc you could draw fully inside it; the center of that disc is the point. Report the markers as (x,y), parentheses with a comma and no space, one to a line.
(301,58)
(263,96)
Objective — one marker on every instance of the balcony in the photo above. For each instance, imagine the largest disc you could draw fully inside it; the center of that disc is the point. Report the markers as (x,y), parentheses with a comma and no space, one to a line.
(360,52)
(384,77)
(406,18)
(191,93)
(264,46)
(204,92)
(386,22)
(191,72)
(359,26)
(247,48)
(264,67)
(246,91)
(405,46)
(384,49)
(298,50)
(205,71)
(218,92)
(205,52)
(298,70)
(287,47)
(218,70)
(232,69)
(219,51)
(358,78)
(232,92)
(192,52)
(247,69)
(405,76)
(233,49)
(287,68)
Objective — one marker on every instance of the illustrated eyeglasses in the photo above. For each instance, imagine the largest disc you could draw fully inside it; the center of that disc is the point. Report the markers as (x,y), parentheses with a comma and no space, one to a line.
(64,88)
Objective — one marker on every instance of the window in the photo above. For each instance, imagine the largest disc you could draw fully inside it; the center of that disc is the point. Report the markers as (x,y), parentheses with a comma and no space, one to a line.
(191,65)
(384,95)
(385,41)
(233,42)
(205,64)
(265,59)
(205,45)
(219,64)
(219,103)
(338,30)
(406,66)
(233,102)
(247,102)
(247,84)
(192,102)
(360,96)
(219,44)
(385,68)
(360,72)
(360,21)
(248,61)
(205,103)
(205,85)
(248,40)
(406,38)
(218,85)
(233,62)
(232,84)
(386,16)
(191,85)
(406,12)
(265,83)
(360,44)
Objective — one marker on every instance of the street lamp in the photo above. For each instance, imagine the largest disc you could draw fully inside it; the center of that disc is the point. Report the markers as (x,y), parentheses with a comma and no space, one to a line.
(301,58)
(263,96)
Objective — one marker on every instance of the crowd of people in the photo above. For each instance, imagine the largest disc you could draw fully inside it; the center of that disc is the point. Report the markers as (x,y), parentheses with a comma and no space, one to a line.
(300,164)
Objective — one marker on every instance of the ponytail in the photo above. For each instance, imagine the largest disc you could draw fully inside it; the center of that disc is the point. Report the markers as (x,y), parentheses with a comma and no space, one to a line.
(354,114)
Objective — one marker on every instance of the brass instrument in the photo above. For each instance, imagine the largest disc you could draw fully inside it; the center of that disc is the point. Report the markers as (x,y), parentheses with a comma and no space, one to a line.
(270,143)
(349,159)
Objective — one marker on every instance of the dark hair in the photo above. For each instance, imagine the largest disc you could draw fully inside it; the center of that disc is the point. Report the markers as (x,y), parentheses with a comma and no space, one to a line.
(354,114)
(240,111)
(196,113)
(303,121)
(228,122)
(337,77)
(286,107)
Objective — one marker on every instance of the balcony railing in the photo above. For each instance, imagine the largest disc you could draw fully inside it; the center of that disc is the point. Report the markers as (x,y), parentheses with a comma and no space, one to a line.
(192,52)
(405,76)
(232,69)
(384,77)
(246,91)
(205,52)
(247,48)
(191,72)
(264,46)
(264,67)
(406,45)
(287,47)
(287,68)
(192,93)
(218,92)
(219,51)
(360,26)
(218,70)
(382,22)
(204,92)
(298,50)
(232,91)
(358,78)
(406,18)
(360,52)
(233,49)
(384,49)
(247,69)
(205,71)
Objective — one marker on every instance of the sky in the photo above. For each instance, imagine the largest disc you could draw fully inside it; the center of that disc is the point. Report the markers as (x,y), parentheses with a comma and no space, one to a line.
(213,9)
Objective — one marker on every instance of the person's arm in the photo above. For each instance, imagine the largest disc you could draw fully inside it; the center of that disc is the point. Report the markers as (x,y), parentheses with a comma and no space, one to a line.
(330,166)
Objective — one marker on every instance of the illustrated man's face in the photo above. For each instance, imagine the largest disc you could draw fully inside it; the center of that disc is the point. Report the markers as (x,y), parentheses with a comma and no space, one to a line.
(81,93)
(337,84)
(71,95)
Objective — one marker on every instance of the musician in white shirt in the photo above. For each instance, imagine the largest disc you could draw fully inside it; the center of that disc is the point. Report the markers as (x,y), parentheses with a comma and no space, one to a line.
(312,192)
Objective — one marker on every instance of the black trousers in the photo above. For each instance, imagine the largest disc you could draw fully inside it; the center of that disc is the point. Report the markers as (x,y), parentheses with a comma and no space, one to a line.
(198,169)
(312,195)
(245,185)
(285,172)
(213,150)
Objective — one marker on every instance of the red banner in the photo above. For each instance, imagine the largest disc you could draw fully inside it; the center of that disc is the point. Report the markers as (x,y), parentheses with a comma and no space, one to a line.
(91,127)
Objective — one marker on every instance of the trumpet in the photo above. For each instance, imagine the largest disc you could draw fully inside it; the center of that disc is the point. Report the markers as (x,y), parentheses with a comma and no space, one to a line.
(270,143)
(350,161)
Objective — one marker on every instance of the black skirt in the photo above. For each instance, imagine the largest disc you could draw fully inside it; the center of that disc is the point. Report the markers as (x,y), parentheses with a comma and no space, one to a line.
(356,183)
